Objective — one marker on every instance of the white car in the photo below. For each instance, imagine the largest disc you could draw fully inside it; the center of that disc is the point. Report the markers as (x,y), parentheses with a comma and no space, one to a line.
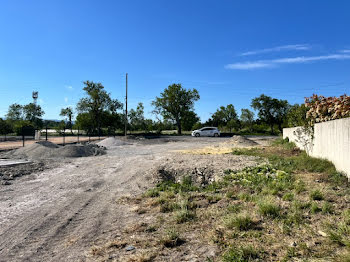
(206,131)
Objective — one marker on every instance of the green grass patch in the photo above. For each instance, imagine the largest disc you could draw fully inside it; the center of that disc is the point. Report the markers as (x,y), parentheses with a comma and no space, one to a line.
(316,195)
(241,254)
(240,222)
(269,209)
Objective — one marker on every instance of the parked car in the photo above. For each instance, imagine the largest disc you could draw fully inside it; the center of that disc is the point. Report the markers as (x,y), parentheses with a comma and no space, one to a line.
(206,131)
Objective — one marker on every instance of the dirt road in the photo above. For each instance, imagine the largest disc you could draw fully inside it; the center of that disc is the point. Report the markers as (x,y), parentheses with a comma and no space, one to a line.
(58,214)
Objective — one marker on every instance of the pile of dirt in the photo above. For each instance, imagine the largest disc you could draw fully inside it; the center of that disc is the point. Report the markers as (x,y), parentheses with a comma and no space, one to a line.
(112,142)
(242,141)
(8,173)
(203,169)
(46,149)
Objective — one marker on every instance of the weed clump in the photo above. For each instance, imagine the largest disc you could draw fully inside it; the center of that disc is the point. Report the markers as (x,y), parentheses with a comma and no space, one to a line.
(240,222)
(316,195)
(269,209)
(240,254)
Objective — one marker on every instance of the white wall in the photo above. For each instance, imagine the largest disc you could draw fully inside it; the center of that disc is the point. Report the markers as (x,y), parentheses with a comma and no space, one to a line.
(331,141)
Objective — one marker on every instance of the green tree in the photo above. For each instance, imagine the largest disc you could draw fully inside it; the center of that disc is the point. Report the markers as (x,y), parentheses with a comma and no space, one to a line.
(175,102)
(68,112)
(271,110)
(97,109)
(189,119)
(137,118)
(33,113)
(15,112)
(247,118)
(297,115)
(226,116)
(5,127)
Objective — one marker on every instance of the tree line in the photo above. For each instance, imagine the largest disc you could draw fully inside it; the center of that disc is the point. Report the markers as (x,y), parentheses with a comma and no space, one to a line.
(97,112)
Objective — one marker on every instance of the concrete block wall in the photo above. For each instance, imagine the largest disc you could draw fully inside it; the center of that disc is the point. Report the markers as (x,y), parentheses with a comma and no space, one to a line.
(331,141)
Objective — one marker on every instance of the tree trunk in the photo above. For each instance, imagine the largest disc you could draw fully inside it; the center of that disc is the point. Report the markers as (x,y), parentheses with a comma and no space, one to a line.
(280,127)
(178,123)
(272,131)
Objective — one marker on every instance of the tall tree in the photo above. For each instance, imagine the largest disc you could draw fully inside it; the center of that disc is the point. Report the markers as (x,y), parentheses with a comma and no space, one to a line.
(174,102)
(271,110)
(247,117)
(189,120)
(15,112)
(33,113)
(97,107)
(68,112)
(137,117)
(225,116)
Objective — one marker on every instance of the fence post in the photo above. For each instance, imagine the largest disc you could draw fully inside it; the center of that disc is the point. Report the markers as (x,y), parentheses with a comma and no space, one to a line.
(99,133)
(64,134)
(46,134)
(23,136)
(78,133)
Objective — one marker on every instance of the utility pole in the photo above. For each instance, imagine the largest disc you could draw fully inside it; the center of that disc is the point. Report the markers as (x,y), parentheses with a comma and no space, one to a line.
(126,105)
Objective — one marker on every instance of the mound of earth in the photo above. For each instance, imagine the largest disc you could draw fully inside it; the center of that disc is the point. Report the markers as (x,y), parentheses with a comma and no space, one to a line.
(111,142)
(203,169)
(241,140)
(46,149)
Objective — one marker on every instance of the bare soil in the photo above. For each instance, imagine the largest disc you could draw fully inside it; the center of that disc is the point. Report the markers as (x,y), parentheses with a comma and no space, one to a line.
(64,207)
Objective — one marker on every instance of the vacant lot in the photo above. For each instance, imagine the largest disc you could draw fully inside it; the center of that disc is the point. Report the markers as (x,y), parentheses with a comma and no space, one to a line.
(58,211)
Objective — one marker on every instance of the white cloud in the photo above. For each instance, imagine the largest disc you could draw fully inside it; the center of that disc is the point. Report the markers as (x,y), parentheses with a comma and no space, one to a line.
(277,49)
(69,87)
(248,65)
(289,60)
(66,99)
(345,51)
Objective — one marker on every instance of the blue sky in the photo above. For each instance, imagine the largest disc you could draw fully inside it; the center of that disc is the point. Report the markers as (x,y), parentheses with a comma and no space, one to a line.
(231,51)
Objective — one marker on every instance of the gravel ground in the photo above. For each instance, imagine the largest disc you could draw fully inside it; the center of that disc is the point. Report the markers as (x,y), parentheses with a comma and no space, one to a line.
(57,214)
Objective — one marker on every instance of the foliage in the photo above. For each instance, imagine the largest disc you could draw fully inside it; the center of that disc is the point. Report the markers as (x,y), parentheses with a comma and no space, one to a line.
(297,115)
(174,102)
(5,127)
(225,116)
(33,113)
(189,119)
(137,118)
(68,112)
(97,109)
(247,118)
(15,112)
(271,110)
(19,125)
(323,109)
(30,112)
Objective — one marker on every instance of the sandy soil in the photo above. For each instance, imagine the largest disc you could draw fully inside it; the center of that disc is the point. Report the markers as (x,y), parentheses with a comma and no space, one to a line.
(59,213)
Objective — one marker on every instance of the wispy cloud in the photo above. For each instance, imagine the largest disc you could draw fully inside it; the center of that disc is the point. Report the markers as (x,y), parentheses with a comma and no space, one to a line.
(277,49)
(289,60)
(66,99)
(69,87)
(345,51)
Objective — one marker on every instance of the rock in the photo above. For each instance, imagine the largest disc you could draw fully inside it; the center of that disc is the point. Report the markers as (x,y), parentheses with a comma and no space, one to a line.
(130,248)
(322,233)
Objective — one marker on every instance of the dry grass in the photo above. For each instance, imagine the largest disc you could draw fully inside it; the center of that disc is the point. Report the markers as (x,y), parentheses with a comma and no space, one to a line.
(260,214)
